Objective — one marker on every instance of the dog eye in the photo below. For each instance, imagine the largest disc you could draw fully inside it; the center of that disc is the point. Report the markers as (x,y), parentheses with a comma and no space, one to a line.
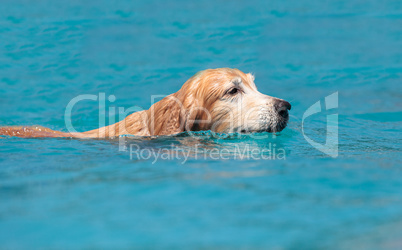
(233,91)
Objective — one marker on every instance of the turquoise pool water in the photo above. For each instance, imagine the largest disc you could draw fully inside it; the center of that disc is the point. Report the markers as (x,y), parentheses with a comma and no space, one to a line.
(64,193)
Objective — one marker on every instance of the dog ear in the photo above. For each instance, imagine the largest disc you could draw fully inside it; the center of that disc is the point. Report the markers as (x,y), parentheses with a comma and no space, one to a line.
(171,115)
(251,77)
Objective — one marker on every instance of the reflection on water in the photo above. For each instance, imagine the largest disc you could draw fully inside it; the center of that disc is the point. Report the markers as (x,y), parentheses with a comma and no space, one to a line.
(204,145)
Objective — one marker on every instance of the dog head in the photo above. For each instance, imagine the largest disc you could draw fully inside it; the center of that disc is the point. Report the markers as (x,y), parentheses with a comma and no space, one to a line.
(222,100)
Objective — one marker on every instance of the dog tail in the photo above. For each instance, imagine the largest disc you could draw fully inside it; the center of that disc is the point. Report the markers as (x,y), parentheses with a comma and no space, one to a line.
(34,132)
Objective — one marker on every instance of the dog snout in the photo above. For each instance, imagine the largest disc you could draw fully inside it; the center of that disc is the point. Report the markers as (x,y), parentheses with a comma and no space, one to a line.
(282,108)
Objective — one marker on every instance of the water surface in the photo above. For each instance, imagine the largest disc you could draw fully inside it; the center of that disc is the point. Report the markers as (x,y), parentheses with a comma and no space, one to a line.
(66,193)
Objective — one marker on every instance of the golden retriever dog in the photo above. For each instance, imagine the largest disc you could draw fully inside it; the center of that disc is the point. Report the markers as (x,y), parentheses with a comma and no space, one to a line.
(221,100)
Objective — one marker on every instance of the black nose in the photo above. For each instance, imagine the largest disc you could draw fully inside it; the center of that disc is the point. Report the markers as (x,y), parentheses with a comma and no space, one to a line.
(282,108)
(282,105)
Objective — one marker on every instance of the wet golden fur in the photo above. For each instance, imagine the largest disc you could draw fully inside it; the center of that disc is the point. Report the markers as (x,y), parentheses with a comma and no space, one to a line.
(201,104)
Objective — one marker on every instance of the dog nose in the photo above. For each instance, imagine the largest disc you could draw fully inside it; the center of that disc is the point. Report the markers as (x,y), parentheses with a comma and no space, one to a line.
(282,108)
(282,105)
